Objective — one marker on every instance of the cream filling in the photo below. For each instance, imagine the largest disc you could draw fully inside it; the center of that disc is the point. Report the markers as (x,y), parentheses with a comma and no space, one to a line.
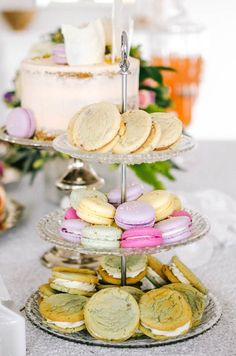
(89,287)
(155,276)
(129,274)
(175,332)
(174,269)
(65,325)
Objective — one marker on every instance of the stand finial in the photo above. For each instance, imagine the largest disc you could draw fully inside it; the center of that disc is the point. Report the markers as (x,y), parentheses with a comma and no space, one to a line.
(124,64)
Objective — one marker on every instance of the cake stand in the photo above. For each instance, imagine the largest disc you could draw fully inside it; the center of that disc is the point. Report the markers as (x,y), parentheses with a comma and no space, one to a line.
(78,175)
(49,225)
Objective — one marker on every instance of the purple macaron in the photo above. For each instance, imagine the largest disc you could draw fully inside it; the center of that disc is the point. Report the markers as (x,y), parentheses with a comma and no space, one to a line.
(175,229)
(134,214)
(133,192)
(71,229)
(59,54)
(21,123)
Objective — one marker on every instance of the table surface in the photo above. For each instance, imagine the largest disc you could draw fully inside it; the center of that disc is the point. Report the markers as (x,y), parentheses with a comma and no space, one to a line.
(208,166)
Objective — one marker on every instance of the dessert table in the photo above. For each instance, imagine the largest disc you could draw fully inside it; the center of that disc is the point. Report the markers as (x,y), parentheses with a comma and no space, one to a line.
(209,166)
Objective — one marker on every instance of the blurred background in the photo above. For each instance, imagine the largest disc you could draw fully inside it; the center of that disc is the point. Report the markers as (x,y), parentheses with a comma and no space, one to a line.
(194,37)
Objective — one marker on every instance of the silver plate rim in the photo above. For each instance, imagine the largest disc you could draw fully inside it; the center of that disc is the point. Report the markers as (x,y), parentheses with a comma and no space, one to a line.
(61,144)
(15,212)
(59,242)
(36,319)
(27,142)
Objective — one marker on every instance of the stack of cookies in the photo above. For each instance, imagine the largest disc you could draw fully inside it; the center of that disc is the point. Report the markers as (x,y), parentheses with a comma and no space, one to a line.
(101,128)
(100,221)
(77,299)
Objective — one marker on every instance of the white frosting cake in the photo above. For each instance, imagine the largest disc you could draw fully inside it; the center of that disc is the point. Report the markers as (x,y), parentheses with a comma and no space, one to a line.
(55,92)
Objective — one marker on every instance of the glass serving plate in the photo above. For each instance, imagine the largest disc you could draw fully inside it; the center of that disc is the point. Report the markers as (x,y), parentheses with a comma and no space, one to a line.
(48,229)
(14,212)
(27,142)
(210,317)
(62,145)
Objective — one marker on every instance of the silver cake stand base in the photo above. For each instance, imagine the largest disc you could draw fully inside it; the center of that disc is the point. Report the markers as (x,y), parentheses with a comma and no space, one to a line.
(79,175)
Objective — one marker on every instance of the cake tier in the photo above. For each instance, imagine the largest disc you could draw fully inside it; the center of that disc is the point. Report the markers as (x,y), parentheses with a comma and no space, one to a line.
(56,92)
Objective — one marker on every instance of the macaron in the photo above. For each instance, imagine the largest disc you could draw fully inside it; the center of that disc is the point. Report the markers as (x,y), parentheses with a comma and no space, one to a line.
(175,229)
(141,237)
(101,237)
(71,280)
(164,314)
(59,54)
(134,214)
(177,202)
(77,195)
(182,213)
(176,271)
(70,229)
(171,129)
(96,211)
(195,299)
(133,192)
(161,201)
(21,123)
(70,214)
(64,312)
(154,272)
(112,314)
(110,269)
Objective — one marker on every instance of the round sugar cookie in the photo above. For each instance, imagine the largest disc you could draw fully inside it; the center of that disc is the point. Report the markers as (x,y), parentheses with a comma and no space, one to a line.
(195,299)
(96,125)
(60,309)
(138,128)
(171,129)
(153,139)
(189,275)
(112,314)
(164,314)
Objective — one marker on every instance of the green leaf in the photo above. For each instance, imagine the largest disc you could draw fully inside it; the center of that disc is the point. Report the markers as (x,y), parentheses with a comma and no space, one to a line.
(146,174)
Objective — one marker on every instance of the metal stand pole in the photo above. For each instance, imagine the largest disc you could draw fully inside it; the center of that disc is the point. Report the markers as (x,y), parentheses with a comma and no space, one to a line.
(124,71)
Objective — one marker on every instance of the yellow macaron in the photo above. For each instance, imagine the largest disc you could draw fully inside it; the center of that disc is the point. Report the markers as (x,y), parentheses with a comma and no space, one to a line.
(96,211)
(162,202)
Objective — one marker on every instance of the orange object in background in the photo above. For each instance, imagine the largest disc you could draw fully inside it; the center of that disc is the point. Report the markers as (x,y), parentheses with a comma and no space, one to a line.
(183,84)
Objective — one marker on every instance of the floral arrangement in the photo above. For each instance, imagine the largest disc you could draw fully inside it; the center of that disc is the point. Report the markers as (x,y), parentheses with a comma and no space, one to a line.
(153,96)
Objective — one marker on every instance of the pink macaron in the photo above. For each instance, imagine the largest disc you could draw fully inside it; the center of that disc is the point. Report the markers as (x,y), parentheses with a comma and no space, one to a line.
(181,213)
(70,214)
(59,54)
(175,229)
(71,229)
(21,123)
(141,237)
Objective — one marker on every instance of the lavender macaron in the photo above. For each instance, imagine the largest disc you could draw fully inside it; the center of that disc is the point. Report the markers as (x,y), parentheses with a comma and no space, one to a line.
(175,229)
(21,123)
(134,191)
(59,54)
(134,214)
(70,230)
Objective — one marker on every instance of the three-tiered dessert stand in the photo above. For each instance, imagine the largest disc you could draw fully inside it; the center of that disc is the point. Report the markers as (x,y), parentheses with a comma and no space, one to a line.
(48,228)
